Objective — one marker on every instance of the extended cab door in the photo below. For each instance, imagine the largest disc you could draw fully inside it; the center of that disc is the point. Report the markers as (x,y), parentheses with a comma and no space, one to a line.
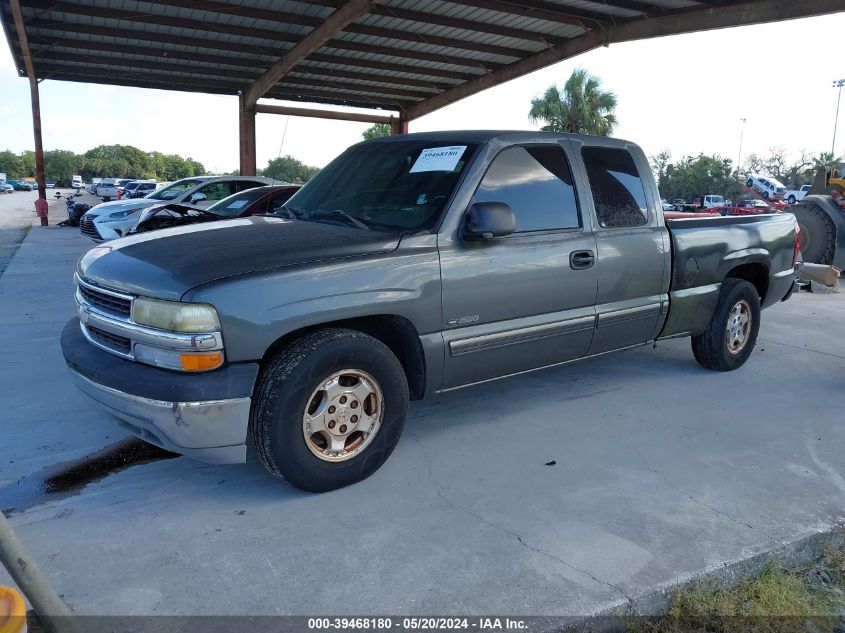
(525,300)
(632,249)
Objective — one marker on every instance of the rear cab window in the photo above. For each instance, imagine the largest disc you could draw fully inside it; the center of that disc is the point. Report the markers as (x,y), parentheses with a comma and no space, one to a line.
(617,187)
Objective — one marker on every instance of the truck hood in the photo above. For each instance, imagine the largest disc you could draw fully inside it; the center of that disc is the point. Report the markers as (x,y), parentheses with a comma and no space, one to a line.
(167,263)
(104,208)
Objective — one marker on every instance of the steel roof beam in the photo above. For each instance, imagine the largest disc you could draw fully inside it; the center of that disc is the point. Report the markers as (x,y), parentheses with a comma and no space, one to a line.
(404,14)
(360,29)
(165,63)
(329,28)
(262,108)
(35,99)
(276,36)
(542,10)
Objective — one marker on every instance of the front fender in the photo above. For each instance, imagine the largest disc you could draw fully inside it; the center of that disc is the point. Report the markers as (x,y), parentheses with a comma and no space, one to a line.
(256,310)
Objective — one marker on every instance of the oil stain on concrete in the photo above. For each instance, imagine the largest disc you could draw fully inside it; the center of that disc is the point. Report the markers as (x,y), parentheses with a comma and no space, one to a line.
(70,478)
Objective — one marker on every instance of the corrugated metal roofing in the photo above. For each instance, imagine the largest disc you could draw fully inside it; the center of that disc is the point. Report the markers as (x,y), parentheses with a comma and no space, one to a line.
(398,55)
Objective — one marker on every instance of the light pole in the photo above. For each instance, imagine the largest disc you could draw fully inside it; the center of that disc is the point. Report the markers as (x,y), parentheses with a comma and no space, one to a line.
(741,133)
(838,83)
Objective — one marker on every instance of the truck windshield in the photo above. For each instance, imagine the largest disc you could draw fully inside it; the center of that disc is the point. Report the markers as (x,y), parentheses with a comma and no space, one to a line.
(395,185)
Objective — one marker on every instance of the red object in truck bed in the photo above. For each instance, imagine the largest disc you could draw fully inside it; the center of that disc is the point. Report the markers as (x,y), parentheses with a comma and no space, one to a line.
(683,215)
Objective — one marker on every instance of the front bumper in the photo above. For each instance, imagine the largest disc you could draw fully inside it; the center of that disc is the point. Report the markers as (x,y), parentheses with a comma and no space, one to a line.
(204,416)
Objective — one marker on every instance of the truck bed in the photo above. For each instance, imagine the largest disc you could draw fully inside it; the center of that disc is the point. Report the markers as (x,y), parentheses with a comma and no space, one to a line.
(706,250)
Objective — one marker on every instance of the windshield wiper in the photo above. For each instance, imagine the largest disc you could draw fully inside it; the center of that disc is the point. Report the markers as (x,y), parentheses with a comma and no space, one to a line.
(291,212)
(340,213)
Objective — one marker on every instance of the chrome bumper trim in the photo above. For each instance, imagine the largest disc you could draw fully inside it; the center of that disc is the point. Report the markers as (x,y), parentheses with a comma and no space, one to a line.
(212,431)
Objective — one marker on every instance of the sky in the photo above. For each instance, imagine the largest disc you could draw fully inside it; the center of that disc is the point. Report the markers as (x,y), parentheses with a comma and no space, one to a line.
(684,93)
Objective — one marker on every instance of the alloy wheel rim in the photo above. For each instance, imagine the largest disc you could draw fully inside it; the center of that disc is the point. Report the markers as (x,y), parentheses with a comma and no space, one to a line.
(738,328)
(343,415)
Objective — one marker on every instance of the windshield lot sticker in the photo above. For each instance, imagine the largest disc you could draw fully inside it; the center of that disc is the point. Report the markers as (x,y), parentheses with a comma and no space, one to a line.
(438,159)
(237,204)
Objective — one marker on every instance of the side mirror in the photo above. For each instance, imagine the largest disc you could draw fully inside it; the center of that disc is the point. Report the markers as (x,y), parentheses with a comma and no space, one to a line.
(197,197)
(488,220)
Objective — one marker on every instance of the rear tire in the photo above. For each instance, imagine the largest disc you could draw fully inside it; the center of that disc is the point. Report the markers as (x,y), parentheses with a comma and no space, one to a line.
(817,238)
(318,376)
(749,183)
(791,200)
(732,332)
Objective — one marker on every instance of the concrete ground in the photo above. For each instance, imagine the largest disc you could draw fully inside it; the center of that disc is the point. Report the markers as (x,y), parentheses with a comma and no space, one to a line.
(662,470)
(17,210)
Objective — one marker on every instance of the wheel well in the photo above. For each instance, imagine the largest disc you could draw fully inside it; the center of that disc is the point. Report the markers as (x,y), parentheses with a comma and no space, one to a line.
(396,332)
(756,274)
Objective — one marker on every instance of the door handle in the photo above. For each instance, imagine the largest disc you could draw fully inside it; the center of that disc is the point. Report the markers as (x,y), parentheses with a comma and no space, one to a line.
(581,260)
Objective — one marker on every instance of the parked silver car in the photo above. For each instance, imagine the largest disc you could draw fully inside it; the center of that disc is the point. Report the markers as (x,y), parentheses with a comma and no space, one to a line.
(111,220)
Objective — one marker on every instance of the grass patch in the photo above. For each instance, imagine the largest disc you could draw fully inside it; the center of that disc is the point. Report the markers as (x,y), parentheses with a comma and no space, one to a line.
(806,599)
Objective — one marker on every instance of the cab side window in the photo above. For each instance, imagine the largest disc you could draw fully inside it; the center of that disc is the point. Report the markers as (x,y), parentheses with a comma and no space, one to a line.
(215,190)
(536,182)
(618,191)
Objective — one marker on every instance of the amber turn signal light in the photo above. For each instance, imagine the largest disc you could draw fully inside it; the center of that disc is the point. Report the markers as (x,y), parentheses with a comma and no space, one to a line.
(202,362)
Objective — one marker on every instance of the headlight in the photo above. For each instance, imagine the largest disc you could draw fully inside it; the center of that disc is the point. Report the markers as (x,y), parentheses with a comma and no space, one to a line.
(119,215)
(175,316)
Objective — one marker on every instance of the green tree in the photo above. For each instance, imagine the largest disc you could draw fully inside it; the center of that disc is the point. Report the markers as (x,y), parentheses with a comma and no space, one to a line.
(697,176)
(582,107)
(11,165)
(288,169)
(376,131)
(60,165)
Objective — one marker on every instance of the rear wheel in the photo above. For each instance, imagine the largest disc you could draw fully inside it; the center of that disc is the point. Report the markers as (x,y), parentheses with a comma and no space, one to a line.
(766,195)
(329,409)
(749,183)
(817,236)
(791,199)
(732,333)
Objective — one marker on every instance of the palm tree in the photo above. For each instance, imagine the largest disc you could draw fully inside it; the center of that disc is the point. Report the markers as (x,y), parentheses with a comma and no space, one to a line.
(582,108)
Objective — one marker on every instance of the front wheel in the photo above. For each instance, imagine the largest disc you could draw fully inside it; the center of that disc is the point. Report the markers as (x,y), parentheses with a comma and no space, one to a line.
(791,200)
(329,409)
(732,333)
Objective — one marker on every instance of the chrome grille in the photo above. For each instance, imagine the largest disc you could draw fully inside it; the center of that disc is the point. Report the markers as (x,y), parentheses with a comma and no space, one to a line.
(112,341)
(87,227)
(112,303)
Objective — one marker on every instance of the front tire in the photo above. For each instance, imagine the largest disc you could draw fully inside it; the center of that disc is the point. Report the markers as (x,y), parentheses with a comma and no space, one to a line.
(329,409)
(732,333)
(791,200)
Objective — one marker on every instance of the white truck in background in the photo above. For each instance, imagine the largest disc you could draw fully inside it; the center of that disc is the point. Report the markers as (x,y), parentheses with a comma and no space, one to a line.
(794,195)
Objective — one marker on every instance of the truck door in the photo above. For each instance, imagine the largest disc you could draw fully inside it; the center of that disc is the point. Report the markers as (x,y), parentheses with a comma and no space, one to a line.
(525,300)
(632,251)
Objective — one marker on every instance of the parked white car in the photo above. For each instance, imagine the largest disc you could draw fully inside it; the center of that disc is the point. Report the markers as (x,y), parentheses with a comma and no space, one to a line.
(5,187)
(713,202)
(769,188)
(110,220)
(794,195)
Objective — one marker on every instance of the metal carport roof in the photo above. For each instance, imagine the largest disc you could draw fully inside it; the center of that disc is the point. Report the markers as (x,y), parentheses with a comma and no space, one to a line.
(406,56)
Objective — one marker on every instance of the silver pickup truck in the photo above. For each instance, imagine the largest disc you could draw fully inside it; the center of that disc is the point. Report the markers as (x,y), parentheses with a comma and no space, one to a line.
(409,266)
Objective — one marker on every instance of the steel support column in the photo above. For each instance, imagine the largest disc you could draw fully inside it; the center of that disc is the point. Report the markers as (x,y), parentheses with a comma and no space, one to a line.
(23,41)
(246,118)
(399,125)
